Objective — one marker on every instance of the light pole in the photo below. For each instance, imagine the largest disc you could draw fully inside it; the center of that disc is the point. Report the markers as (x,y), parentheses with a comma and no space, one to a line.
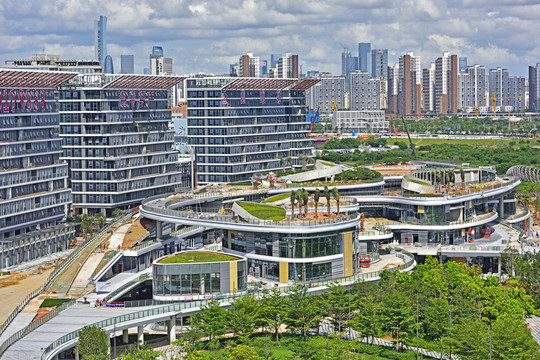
(417,344)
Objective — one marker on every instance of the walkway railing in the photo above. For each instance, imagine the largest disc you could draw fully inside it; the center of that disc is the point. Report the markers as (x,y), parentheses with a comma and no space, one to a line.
(178,307)
(125,286)
(33,325)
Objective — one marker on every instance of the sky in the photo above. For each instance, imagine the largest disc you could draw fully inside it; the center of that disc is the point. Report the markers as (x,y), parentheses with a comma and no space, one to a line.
(208,35)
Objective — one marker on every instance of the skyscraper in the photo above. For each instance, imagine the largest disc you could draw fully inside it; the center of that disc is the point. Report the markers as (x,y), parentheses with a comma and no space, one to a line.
(392,88)
(428,88)
(158,65)
(345,55)
(157,50)
(263,66)
(446,80)
(127,64)
(409,85)
(100,40)
(288,66)
(534,87)
(510,88)
(109,67)
(167,66)
(379,62)
(472,87)
(248,66)
(364,57)
(274,58)
(462,64)
(33,181)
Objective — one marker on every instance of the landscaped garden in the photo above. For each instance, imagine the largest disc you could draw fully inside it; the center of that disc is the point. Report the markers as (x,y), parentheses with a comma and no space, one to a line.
(263,211)
(197,257)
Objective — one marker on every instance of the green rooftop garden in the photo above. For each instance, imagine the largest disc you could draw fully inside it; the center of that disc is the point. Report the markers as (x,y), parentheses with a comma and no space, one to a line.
(420,182)
(277,197)
(263,211)
(197,257)
(53,302)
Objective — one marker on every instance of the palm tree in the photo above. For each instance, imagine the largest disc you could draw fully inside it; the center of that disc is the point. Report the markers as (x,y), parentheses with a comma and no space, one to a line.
(282,160)
(304,161)
(299,198)
(86,224)
(293,201)
(438,176)
(316,196)
(335,192)
(100,219)
(305,196)
(327,196)
(290,160)
(447,180)
(462,174)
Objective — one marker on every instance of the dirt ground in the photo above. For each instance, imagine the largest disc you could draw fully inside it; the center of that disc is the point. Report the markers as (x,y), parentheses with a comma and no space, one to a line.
(16,291)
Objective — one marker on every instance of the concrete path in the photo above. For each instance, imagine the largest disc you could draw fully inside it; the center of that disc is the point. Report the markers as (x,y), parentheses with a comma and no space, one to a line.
(534,325)
(32,346)
(117,238)
(80,284)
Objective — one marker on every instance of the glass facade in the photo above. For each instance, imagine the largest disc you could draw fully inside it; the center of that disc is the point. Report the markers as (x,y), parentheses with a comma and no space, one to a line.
(195,279)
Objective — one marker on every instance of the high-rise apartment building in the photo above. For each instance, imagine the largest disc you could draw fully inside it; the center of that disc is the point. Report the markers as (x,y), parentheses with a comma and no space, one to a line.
(127,64)
(409,83)
(33,181)
(116,140)
(446,81)
(364,57)
(462,64)
(379,63)
(248,66)
(534,87)
(100,39)
(330,90)
(167,66)
(364,91)
(288,66)
(240,126)
(472,87)
(509,89)
(392,87)
(428,88)
(47,62)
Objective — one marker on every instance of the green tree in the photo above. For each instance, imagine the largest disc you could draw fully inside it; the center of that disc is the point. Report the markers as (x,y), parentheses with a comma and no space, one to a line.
(335,192)
(244,314)
(326,192)
(143,353)
(293,202)
(212,321)
(337,300)
(303,312)
(86,224)
(512,340)
(243,352)
(367,316)
(282,160)
(436,320)
(117,212)
(316,196)
(397,315)
(290,161)
(470,339)
(273,308)
(93,343)
(100,220)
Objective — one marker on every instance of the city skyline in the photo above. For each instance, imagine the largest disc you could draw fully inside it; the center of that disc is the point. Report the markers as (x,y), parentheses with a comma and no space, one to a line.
(200,38)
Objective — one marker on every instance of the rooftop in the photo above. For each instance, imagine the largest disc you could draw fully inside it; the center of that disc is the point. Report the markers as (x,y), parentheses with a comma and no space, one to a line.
(33,79)
(192,257)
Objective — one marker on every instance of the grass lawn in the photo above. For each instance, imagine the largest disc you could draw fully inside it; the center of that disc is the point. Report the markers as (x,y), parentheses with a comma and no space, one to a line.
(416,181)
(239,184)
(277,197)
(435,141)
(262,211)
(197,257)
(52,302)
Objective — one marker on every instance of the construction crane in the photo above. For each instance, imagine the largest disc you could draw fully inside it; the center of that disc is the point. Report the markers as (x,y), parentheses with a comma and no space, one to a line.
(495,98)
(409,136)
(334,105)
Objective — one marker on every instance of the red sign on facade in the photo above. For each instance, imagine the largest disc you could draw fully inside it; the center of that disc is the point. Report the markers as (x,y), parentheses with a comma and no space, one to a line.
(135,99)
(22,100)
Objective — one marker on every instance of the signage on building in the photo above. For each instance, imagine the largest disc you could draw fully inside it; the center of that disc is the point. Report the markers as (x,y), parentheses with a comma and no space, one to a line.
(135,99)
(12,100)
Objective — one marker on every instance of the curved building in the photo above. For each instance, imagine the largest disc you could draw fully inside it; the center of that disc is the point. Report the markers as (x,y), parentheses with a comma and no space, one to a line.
(194,274)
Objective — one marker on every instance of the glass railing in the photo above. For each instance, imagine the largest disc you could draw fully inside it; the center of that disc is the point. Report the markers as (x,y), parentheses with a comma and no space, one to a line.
(125,286)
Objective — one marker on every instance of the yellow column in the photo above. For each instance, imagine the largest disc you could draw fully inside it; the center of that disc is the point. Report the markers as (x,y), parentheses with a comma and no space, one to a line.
(233,279)
(283,272)
(347,253)
(229,233)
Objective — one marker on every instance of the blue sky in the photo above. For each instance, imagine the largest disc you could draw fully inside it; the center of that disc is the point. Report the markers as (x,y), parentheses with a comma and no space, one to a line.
(208,35)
